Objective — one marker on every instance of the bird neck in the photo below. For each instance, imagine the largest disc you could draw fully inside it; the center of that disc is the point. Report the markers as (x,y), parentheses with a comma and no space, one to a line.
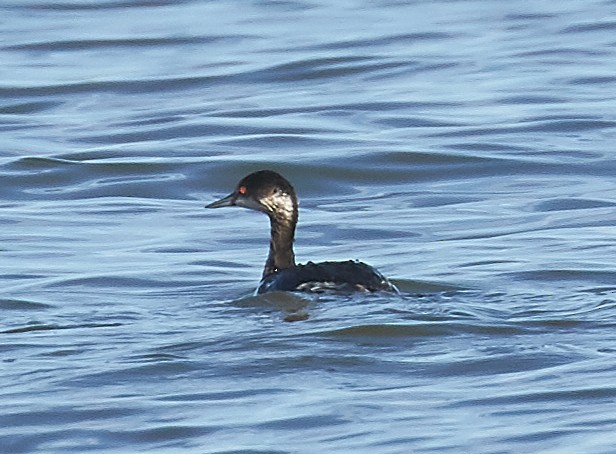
(281,253)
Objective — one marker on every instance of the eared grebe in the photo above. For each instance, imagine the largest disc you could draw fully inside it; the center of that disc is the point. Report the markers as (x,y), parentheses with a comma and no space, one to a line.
(270,193)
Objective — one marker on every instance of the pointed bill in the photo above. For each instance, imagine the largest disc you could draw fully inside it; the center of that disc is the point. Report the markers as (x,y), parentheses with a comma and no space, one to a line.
(224,202)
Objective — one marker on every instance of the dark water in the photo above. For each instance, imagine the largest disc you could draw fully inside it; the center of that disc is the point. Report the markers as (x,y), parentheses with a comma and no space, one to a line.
(465,148)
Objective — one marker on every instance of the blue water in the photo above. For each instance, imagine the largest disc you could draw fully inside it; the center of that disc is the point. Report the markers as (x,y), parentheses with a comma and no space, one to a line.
(464,148)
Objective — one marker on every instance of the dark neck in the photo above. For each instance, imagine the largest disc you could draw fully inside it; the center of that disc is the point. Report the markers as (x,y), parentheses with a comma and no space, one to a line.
(281,254)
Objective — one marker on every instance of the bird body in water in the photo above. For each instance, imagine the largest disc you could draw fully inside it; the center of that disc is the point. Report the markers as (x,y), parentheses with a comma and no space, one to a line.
(270,193)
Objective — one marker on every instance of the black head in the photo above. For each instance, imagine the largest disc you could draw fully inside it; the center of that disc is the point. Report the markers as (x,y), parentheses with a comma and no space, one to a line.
(265,191)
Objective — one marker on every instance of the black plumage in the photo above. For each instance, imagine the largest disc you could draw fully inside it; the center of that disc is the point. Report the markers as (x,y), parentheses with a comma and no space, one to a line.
(349,276)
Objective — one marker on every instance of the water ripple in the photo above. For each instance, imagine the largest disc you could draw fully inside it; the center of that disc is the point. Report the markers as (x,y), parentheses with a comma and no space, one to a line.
(54,327)
(422,330)
(97,5)
(23,305)
(102,44)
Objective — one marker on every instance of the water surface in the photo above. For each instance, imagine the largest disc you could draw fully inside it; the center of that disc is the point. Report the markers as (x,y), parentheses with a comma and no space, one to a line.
(464,148)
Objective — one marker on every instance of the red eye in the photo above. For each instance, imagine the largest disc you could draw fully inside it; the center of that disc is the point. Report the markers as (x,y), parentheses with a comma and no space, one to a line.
(242,190)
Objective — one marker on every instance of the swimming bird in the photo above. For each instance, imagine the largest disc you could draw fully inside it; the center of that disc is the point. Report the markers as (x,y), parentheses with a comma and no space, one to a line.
(270,193)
